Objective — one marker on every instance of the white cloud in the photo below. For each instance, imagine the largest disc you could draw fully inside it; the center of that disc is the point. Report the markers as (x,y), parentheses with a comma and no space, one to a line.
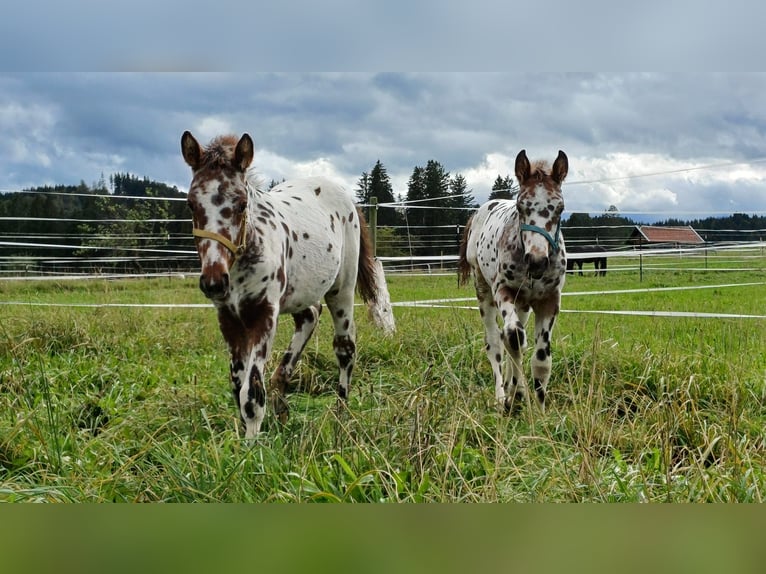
(209,127)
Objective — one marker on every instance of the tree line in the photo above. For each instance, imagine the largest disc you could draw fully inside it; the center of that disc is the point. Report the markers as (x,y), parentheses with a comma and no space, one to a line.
(104,218)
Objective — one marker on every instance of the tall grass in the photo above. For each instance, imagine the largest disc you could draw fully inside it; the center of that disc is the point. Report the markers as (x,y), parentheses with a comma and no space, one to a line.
(133,404)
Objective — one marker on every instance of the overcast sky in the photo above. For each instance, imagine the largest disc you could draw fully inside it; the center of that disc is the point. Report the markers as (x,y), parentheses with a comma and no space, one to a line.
(697,139)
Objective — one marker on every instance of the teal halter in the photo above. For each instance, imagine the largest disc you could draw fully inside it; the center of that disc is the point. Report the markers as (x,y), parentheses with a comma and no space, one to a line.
(554,241)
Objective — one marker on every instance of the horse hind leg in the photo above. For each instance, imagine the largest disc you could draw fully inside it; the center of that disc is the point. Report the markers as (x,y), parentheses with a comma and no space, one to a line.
(305,324)
(341,306)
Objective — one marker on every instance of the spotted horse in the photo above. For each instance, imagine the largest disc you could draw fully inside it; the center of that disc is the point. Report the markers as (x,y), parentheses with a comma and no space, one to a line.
(263,254)
(516,253)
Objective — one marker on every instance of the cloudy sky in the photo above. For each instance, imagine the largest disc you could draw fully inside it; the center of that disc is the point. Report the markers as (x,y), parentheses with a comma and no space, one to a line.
(677,144)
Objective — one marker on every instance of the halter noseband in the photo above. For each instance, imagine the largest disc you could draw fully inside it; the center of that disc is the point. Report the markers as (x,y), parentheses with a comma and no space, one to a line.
(236,250)
(554,241)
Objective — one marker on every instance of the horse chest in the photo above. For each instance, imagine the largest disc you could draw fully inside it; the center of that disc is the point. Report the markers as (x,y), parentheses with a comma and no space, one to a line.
(512,277)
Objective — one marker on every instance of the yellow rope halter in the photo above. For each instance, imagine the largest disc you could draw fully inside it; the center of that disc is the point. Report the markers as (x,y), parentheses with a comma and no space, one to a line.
(236,250)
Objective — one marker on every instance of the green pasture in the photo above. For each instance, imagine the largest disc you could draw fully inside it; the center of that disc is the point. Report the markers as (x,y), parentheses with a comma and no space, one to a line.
(133,404)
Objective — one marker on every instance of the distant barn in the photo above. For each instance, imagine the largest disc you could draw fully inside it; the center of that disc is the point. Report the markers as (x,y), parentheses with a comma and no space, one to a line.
(664,236)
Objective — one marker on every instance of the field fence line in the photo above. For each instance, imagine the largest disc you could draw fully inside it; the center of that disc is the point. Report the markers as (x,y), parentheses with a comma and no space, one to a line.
(448,303)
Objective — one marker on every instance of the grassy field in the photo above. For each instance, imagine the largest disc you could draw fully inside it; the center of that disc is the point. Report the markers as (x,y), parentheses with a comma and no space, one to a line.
(133,404)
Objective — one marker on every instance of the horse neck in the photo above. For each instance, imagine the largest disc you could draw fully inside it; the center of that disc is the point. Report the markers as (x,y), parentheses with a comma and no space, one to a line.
(515,239)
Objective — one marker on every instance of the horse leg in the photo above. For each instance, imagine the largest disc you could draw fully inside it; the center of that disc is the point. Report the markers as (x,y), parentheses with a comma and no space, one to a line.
(305,323)
(545,317)
(245,376)
(250,340)
(579,267)
(516,342)
(514,338)
(341,306)
(493,344)
(603,267)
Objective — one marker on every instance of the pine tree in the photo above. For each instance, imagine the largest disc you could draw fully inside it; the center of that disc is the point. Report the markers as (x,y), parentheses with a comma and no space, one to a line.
(462,200)
(431,182)
(362,193)
(381,188)
(503,188)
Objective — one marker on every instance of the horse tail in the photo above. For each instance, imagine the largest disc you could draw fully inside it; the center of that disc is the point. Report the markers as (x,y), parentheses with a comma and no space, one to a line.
(371,281)
(463,267)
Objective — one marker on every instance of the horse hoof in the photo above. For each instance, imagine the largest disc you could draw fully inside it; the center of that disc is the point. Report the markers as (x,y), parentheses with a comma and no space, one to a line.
(512,405)
(281,409)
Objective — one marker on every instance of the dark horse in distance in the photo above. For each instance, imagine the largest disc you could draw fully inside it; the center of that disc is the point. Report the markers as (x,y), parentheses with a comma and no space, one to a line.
(579,254)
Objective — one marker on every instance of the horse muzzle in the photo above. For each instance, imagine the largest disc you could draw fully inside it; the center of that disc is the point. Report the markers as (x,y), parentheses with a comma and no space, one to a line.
(214,286)
(536,265)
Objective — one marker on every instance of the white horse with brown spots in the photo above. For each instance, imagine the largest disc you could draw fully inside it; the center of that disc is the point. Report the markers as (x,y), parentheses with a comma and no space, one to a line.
(518,259)
(265,254)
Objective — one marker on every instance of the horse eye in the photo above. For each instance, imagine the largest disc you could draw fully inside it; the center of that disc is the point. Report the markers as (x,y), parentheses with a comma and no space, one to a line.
(241,206)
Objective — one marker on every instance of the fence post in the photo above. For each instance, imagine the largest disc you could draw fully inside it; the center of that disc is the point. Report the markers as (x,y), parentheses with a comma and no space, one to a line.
(374,224)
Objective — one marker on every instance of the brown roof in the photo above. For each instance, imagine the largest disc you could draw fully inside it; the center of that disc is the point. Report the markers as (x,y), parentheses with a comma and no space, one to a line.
(651,234)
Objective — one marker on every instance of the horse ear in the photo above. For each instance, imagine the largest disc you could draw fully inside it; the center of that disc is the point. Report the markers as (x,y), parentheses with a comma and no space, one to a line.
(522,167)
(243,153)
(190,150)
(560,167)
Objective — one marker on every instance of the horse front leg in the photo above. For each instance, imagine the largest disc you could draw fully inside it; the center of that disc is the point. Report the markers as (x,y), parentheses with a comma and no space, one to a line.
(249,336)
(305,323)
(545,317)
(514,337)
(493,345)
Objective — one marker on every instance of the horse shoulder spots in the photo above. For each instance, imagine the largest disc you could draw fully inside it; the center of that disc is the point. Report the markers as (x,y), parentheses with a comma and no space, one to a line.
(305,235)
(318,190)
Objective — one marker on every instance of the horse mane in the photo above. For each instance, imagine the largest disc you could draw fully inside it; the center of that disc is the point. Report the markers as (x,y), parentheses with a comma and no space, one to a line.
(219,152)
(540,170)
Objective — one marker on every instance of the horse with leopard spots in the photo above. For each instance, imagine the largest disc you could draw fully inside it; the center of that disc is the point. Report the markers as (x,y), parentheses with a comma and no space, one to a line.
(516,253)
(264,254)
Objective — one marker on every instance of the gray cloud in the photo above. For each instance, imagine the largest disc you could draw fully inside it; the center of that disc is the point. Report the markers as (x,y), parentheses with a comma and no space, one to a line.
(63,128)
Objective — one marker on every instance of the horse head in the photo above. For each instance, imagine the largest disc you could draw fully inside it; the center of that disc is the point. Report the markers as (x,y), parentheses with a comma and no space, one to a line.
(540,204)
(218,202)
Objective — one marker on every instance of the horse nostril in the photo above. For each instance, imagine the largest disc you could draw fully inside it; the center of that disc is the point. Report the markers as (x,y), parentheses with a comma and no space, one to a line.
(214,289)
